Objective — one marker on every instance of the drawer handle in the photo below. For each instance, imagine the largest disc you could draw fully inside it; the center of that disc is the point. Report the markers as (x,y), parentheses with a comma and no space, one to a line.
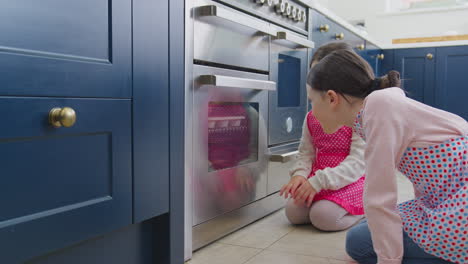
(381,56)
(285,157)
(339,36)
(234,82)
(324,28)
(361,47)
(302,42)
(226,14)
(59,117)
(429,56)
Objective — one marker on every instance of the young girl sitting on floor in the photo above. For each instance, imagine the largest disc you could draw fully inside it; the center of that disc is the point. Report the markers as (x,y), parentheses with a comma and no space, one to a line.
(326,185)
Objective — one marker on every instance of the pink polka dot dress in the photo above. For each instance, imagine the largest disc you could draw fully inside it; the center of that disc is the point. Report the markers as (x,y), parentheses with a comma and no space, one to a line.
(331,150)
(437,220)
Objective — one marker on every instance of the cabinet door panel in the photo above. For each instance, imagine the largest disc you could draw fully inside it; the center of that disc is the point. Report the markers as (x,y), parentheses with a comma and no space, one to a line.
(66,48)
(62,185)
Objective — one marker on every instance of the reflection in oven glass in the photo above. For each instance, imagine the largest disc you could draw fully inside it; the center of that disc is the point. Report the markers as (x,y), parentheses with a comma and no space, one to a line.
(289,81)
(232,143)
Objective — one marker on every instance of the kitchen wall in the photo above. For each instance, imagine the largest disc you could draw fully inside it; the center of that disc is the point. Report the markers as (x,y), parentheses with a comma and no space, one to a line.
(384,26)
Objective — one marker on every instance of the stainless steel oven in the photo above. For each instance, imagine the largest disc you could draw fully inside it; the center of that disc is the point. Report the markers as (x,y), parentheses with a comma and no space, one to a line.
(288,104)
(231,46)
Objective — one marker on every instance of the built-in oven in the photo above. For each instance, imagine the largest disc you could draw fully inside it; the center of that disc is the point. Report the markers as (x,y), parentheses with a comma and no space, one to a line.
(288,68)
(231,83)
(230,144)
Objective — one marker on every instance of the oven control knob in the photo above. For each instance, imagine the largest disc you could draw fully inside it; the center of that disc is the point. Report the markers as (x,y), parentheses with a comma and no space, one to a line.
(304,16)
(298,15)
(280,7)
(270,2)
(261,2)
(287,12)
(293,12)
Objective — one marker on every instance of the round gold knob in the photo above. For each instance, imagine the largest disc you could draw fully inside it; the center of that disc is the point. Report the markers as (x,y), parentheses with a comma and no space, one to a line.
(361,47)
(324,28)
(62,117)
(339,36)
(429,56)
(380,56)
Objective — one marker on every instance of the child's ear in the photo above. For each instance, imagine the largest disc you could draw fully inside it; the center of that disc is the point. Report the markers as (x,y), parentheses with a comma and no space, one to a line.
(332,97)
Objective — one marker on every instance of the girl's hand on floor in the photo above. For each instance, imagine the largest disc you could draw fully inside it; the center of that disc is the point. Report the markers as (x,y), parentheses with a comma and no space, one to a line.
(291,187)
(305,194)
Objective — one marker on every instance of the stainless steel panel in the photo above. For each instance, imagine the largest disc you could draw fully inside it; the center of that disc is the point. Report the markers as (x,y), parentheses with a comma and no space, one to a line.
(224,41)
(280,161)
(188,131)
(225,183)
(285,120)
(214,229)
(270,13)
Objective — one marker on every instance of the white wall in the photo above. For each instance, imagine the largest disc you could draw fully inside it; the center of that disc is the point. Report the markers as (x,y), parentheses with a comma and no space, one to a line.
(385,27)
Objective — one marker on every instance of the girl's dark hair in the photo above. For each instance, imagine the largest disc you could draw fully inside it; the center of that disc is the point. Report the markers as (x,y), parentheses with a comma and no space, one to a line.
(326,49)
(346,73)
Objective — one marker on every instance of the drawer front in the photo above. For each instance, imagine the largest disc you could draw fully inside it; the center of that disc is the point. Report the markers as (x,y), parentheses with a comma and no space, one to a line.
(333,32)
(66,48)
(224,41)
(62,185)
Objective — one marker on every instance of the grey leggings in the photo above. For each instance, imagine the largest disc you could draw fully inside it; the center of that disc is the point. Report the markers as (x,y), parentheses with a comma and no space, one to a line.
(324,215)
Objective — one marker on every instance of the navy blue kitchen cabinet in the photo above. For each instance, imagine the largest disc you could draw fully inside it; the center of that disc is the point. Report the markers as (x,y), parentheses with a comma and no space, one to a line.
(325,30)
(433,76)
(387,61)
(62,185)
(151,108)
(451,69)
(417,69)
(66,48)
(108,189)
(374,55)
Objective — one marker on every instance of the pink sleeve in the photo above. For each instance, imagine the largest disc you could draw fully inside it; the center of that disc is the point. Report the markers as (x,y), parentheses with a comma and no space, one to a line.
(387,137)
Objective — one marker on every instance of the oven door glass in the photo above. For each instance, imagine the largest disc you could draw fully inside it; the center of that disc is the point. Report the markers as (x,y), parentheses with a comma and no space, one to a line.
(232,134)
(289,81)
(287,105)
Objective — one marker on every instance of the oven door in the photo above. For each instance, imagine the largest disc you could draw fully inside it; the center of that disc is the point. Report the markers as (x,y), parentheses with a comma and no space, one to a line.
(288,104)
(229,140)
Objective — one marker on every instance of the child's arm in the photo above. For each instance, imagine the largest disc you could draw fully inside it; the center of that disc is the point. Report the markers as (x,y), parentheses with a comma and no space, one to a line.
(347,172)
(306,157)
(388,133)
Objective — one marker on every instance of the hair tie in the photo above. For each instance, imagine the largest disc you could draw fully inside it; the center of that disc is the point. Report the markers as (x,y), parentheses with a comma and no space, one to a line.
(376,84)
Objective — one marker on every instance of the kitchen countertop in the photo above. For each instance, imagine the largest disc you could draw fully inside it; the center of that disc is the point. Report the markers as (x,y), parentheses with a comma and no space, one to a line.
(329,14)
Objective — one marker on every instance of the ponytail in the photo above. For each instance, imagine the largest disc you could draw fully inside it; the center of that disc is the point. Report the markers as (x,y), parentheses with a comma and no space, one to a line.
(347,73)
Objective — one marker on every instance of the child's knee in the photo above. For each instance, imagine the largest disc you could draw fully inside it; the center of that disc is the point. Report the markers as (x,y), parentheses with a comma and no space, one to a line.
(323,218)
(359,242)
(294,213)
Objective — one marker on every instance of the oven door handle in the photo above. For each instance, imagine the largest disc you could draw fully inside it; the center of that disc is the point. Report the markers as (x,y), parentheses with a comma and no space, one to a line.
(220,12)
(228,81)
(282,35)
(284,157)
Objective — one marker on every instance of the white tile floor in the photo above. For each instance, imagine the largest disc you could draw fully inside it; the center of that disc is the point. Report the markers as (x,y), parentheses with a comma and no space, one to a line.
(273,240)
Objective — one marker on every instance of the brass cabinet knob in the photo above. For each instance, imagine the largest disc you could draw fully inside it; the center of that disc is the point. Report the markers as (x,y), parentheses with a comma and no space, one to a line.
(62,117)
(324,28)
(429,56)
(380,56)
(361,47)
(339,36)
